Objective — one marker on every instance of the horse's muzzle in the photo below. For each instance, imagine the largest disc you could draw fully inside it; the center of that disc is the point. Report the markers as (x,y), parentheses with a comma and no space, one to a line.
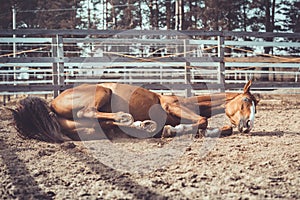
(245,126)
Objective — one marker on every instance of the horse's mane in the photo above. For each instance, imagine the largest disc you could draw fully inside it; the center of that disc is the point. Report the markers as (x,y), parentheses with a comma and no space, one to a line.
(215,98)
(230,96)
(34,120)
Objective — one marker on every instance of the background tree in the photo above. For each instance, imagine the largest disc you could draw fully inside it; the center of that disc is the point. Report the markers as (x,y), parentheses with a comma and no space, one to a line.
(27,18)
(247,15)
(290,21)
(56,14)
(169,17)
(5,14)
(39,14)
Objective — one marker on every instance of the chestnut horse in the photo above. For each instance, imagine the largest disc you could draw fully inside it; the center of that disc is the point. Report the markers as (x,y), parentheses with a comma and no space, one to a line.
(85,108)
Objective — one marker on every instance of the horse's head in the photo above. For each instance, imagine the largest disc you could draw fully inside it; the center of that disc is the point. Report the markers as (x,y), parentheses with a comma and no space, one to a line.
(241,110)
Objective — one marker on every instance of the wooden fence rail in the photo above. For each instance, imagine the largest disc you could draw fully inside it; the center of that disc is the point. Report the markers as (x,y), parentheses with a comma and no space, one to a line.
(184,62)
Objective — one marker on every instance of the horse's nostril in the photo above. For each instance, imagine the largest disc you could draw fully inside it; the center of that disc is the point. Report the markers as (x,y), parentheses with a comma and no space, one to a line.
(245,126)
(248,123)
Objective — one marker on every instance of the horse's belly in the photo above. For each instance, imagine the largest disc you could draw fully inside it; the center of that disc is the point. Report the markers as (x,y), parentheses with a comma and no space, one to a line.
(137,101)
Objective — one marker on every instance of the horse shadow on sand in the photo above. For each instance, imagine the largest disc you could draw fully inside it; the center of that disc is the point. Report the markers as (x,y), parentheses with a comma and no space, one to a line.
(273,133)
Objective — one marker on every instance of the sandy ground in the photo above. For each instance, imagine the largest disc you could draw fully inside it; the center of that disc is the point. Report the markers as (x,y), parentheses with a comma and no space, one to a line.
(264,164)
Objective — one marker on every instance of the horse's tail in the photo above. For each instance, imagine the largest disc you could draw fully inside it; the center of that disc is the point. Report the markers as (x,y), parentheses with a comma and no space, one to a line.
(34,119)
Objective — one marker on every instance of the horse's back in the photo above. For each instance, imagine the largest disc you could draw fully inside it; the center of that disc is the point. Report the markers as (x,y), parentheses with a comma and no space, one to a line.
(74,99)
(137,101)
(117,97)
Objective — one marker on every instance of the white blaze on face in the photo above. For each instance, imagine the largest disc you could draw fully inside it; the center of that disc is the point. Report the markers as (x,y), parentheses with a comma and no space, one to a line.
(252,115)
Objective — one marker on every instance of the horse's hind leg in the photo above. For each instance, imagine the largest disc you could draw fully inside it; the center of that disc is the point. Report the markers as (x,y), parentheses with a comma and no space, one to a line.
(119,117)
(149,126)
(102,97)
(81,129)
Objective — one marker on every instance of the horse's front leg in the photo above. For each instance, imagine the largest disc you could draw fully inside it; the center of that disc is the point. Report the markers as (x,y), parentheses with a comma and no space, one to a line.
(170,131)
(186,115)
(226,130)
(215,132)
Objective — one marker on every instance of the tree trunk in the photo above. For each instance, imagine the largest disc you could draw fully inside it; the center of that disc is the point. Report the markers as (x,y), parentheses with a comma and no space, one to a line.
(168,14)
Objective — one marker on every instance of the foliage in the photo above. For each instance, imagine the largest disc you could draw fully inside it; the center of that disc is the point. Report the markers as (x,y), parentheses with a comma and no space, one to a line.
(241,15)
(39,14)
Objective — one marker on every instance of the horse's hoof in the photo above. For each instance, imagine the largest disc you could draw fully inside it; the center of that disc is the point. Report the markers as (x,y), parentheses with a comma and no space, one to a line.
(168,132)
(149,126)
(86,131)
(124,118)
(226,131)
(212,132)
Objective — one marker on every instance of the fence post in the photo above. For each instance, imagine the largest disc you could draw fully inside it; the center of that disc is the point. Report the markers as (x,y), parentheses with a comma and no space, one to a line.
(58,66)
(221,67)
(187,73)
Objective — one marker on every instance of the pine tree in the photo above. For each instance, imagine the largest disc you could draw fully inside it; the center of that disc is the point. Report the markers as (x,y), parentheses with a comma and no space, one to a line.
(291,16)
(290,22)
(60,14)
(220,15)
(6,14)
(41,14)
(169,18)
(25,13)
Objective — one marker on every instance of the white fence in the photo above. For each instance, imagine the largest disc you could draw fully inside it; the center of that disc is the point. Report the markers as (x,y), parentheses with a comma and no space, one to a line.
(185,62)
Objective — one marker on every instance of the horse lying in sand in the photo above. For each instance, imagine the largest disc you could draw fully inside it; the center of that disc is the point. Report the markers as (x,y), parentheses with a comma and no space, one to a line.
(111,105)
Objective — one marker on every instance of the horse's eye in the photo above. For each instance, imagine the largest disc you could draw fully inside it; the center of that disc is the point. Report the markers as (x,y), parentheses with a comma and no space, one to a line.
(246,99)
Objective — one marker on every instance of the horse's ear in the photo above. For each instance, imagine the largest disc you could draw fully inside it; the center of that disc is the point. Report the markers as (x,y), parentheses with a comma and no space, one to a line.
(247,87)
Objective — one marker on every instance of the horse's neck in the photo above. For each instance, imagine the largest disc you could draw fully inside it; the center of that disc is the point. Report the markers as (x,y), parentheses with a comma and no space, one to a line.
(212,104)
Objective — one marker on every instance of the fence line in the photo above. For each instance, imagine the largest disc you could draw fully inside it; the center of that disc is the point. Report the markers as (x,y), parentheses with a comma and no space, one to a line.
(189,61)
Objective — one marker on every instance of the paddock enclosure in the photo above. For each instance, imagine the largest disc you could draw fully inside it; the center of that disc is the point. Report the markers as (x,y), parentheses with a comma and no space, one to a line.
(264,164)
(179,62)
